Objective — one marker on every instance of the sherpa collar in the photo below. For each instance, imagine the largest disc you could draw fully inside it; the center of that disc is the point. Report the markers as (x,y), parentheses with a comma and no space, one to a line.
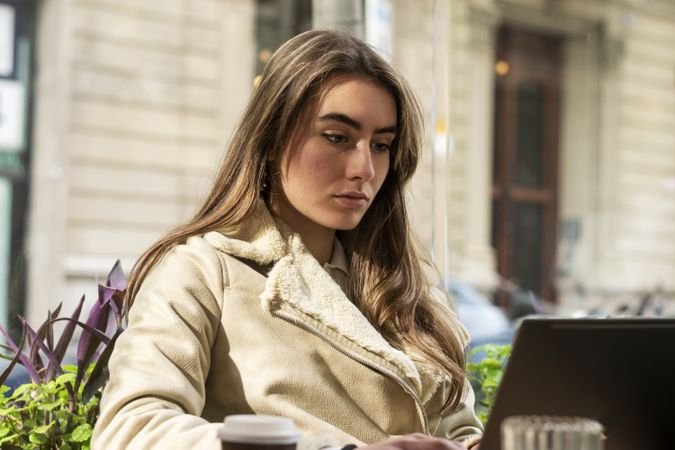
(297,279)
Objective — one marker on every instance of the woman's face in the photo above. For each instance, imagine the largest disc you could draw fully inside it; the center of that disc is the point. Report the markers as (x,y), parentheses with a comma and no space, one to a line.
(339,159)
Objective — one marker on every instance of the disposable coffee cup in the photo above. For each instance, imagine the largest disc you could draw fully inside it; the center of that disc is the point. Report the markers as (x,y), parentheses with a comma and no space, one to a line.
(250,432)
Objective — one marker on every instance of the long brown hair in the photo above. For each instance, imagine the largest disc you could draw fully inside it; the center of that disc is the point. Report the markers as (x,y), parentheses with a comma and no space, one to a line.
(387,280)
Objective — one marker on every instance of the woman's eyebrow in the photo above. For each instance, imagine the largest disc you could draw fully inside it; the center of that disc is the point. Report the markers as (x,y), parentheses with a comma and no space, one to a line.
(339,117)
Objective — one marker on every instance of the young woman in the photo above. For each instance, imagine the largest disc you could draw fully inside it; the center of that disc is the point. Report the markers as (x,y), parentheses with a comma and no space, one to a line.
(295,290)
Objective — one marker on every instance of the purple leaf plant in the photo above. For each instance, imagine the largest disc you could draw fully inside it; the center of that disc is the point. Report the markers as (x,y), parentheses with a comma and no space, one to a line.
(42,359)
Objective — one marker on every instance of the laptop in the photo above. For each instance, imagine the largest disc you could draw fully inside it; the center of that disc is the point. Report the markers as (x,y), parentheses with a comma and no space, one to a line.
(620,372)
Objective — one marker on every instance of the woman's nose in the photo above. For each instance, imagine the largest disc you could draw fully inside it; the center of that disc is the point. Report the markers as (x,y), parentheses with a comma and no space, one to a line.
(360,163)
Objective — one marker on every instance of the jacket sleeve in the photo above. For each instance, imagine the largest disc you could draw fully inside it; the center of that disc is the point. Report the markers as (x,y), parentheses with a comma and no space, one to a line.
(462,424)
(160,363)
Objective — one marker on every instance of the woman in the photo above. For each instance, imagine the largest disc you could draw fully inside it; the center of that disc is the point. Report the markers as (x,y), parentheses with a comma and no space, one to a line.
(295,290)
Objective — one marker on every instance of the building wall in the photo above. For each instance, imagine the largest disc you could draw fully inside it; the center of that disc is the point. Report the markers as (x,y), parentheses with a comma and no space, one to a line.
(135,102)
(618,153)
(640,199)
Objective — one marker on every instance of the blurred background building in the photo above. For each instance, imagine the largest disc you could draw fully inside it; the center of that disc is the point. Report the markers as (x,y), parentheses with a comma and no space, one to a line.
(549,160)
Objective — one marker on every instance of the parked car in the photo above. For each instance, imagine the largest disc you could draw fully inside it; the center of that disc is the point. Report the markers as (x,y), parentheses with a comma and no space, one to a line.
(17,377)
(486,323)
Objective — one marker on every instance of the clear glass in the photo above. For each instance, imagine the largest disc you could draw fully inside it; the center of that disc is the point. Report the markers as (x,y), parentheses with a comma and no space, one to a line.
(551,433)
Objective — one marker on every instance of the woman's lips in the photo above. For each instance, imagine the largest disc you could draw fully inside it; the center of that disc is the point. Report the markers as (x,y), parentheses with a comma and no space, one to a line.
(353,200)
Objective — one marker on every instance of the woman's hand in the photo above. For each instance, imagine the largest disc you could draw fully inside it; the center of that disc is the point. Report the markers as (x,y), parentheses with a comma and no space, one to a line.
(416,441)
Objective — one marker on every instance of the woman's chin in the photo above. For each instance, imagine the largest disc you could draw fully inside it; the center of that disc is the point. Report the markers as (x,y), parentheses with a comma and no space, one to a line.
(347,224)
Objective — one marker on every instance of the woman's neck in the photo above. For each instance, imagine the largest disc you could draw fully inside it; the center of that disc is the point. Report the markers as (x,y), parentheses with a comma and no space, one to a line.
(317,238)
(321,247)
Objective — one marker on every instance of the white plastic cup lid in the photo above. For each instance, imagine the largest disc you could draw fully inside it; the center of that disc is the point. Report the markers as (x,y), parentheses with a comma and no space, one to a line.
(252,429)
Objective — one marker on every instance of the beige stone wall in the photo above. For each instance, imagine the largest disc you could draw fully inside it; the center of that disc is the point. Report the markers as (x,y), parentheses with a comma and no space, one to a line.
(618,160)
(148,93)
(641,231)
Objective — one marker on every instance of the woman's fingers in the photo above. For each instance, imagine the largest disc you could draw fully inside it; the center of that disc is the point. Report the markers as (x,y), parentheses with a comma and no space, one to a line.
(429,443)
(416,441)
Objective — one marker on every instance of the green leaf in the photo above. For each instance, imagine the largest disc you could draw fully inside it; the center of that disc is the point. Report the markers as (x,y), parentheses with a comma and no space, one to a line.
(65,378)
(24,388)
(50,406)
(8,439)
(489,383)
(61,415)
(69,368)
(82,433)
(37,438)
(42,429)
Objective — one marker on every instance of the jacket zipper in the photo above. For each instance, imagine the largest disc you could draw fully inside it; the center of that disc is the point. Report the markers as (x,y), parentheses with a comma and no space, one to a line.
(362,360)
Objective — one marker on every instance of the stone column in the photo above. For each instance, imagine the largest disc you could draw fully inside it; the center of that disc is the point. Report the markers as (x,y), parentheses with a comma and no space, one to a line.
(478,259)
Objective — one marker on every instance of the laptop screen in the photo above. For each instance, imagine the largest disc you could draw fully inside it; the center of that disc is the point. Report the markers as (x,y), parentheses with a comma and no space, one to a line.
(620,372)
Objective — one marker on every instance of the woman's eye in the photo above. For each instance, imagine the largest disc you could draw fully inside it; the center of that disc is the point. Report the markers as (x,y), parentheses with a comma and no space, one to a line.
(381,147)
(335,138)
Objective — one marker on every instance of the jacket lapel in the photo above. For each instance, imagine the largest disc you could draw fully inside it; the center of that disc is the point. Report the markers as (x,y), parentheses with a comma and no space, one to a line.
(297,279)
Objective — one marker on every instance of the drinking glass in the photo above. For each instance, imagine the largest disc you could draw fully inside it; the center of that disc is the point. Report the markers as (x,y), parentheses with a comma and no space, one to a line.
(551,433)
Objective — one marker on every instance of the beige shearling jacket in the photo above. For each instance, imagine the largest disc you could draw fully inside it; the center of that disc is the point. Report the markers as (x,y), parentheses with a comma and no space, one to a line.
(211,335)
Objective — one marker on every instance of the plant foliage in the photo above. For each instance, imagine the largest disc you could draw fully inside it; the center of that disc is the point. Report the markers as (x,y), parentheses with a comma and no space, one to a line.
(58,408)
(486,375)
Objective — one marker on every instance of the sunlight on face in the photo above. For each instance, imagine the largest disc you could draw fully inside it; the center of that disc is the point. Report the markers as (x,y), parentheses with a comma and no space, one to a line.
(335,168)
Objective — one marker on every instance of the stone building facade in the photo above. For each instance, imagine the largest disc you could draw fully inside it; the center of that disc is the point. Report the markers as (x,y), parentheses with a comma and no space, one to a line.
(134,101)
(614,233)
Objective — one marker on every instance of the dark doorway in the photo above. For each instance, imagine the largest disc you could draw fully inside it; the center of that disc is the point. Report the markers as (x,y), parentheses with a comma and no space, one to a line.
(525,173)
